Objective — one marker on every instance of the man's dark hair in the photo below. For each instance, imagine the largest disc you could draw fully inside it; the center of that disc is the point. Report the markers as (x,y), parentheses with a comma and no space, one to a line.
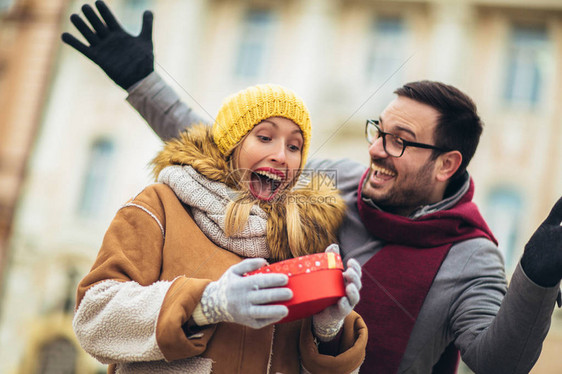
(459,127)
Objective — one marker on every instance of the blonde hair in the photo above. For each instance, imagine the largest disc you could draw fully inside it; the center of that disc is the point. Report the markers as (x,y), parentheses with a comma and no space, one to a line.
(237,214)
(238,209)
(295,235)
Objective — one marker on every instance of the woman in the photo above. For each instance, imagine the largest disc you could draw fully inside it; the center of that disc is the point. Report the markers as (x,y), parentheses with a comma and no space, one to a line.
(168,292)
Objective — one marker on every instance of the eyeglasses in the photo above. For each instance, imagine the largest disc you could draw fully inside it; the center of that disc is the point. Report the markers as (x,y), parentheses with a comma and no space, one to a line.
(393,145)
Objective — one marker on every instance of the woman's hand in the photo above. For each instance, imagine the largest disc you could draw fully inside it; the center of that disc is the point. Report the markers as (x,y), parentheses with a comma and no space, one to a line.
(328,322)
(243,300)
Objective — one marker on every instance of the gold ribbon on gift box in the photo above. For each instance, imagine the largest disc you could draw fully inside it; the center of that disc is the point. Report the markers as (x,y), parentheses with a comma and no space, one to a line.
(331,260)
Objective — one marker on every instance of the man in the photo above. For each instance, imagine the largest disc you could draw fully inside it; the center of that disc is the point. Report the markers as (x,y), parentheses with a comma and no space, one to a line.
(434,282)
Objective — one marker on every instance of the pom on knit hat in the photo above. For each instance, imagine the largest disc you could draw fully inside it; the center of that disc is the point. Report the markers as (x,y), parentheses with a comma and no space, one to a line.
(245,109)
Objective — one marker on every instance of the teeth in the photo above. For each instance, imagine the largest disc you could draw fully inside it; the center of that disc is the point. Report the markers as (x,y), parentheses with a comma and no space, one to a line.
(382,170)
(269,175)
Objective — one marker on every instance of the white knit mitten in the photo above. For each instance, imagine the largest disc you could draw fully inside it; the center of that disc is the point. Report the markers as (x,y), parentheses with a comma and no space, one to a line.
(328,322)
(243,300)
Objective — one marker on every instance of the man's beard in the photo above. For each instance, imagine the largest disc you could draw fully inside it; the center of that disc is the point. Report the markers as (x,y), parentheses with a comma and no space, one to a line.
(408,194)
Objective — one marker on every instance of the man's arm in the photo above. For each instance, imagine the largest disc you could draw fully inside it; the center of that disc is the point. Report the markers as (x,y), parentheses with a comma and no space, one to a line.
(513,341)
(161,107)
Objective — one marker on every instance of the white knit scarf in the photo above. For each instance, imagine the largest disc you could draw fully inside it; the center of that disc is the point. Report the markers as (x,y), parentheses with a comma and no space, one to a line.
(208,200)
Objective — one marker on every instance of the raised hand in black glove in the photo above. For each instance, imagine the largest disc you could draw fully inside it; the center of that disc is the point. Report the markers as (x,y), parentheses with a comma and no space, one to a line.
(542,259)
(126,59)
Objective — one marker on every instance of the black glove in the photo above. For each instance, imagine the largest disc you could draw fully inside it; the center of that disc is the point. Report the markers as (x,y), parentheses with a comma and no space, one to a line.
(126,59)
(542,259)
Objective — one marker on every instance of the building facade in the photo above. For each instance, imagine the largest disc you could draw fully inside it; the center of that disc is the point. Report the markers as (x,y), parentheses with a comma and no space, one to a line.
(80,151)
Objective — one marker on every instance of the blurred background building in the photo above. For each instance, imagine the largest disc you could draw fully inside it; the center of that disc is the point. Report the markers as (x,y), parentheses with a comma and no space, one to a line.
(72,151)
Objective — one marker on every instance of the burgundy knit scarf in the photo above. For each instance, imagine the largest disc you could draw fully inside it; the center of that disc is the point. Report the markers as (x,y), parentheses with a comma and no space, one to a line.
(397,279)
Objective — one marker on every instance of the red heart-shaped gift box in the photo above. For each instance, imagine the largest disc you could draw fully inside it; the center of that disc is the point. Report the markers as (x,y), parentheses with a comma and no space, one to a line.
(316,281)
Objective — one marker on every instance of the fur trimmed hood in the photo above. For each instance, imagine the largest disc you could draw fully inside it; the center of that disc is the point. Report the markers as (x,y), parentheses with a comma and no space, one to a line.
(319,204)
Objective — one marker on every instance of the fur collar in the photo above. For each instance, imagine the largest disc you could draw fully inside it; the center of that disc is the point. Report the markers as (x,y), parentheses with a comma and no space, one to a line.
(319,203)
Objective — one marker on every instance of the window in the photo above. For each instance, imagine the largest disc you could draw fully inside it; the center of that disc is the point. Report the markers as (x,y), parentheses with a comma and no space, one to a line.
(5,5)
(132,14)
(57,356)
(386,50)
(386,53)
(72,280)
(503,215)
(527,58)
(96,181)
(254,44)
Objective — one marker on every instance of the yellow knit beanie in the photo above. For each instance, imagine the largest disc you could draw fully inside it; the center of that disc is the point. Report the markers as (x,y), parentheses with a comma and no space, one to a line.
(245,109)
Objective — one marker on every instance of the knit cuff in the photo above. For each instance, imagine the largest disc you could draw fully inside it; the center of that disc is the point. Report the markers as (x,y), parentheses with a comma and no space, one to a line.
(327,333)
(199,317)
(149,80)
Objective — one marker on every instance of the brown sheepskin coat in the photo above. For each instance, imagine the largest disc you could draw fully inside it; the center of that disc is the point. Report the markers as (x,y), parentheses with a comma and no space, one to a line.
(134,307)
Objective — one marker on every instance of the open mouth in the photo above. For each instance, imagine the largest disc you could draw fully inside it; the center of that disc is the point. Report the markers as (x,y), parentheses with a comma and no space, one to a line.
(380,174)
(265,183)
